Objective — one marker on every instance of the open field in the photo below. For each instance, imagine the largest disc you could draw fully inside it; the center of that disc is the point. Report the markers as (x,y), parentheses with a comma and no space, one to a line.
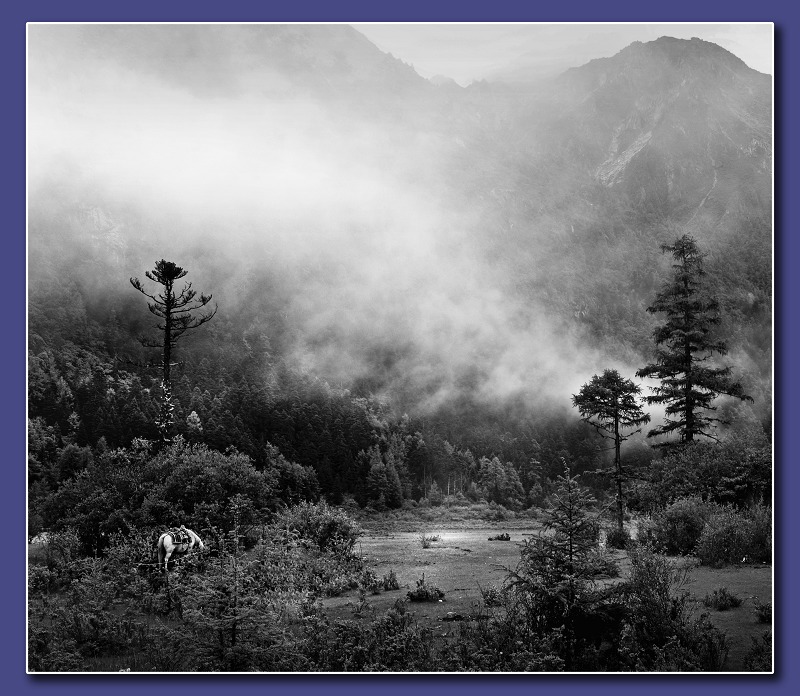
(463,561)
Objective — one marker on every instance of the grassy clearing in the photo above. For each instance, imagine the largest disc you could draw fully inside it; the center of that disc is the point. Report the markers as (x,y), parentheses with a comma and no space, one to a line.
(465,564)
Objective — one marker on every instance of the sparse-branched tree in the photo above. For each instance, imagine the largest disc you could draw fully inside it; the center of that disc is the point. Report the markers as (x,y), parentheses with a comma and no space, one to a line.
(178,312)
(610,405)
(685,346)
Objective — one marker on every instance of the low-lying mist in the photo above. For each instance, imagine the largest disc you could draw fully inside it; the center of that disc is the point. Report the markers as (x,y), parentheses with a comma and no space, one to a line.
(357,212)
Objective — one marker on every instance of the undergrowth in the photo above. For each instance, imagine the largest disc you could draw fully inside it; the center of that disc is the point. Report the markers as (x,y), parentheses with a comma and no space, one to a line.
(722,599)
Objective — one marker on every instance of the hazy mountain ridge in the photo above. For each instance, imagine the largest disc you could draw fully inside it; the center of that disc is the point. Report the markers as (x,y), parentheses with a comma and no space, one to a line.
(466,234)
(219,60)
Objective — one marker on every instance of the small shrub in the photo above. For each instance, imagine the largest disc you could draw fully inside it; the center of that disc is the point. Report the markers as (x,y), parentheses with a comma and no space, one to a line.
(602,564)
(363,605)
(369,581)
(763,611)
(390,581)
(427,539)
(492,596)
(425,592)
(500,537)
(759,658)
(722,599)
(617,539)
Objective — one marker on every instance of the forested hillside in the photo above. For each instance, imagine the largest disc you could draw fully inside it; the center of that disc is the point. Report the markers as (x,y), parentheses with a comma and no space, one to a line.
(412,280)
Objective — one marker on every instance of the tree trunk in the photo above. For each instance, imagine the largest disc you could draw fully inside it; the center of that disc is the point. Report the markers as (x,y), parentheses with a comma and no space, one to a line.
(618,467)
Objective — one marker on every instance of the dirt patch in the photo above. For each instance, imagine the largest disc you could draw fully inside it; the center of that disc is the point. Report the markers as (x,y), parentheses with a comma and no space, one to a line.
(460,563)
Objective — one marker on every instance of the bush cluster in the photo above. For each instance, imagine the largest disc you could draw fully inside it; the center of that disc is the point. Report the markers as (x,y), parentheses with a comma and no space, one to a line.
(716,534)
(733,536)
(329,528)
(183,483)
(233,610)
(722,599)
(736,472)
(676,529)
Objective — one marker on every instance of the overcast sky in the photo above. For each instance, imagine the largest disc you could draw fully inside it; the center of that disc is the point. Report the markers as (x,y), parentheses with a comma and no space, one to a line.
(468,52)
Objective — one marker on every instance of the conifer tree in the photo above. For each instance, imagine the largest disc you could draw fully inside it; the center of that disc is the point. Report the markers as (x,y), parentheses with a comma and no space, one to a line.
(609,404)
(685,347)
(555,571)
(383,483)
(178,311)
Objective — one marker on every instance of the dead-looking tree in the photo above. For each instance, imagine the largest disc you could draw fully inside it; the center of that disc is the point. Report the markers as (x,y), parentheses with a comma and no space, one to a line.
(178,312)
(609,403)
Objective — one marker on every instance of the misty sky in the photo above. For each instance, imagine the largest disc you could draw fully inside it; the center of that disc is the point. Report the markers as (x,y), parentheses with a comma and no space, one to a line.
(468,52)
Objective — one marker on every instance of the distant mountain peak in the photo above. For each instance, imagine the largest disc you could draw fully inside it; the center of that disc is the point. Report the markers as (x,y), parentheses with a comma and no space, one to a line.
(671,120)
(665,56)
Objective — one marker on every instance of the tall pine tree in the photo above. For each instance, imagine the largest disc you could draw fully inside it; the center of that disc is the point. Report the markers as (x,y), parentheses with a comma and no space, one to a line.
(685,347)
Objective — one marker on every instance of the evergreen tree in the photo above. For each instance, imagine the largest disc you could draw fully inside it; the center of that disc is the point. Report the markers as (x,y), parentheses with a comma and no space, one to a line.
(500,482)
(178,312)
(555,573)
(383,483)
(232,627)
(609,404)
(685,346)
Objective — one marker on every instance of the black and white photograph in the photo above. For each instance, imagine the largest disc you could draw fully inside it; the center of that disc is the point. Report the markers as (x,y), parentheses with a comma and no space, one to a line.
(400,347)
